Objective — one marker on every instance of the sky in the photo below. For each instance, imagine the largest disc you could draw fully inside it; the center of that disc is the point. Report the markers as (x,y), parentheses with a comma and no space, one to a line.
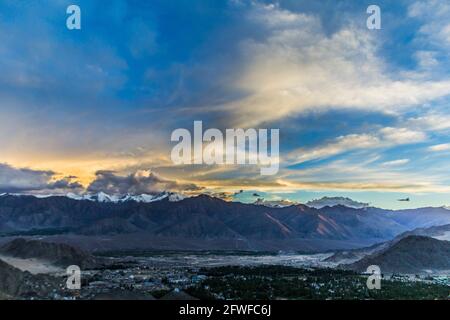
(362,113)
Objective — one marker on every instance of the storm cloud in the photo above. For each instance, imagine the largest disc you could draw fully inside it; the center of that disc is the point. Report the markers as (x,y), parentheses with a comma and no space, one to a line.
(24,180)
(139,182)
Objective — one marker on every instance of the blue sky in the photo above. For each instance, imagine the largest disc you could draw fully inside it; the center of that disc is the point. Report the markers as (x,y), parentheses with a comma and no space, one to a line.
(362,113)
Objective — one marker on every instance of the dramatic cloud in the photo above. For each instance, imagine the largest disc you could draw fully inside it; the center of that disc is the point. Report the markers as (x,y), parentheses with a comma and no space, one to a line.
(140,182)
(105,99)
(22,180)
(296,67)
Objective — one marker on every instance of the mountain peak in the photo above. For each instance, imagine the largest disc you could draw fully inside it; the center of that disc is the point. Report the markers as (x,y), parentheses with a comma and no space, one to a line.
(274,203)
(145,198)
(336,201)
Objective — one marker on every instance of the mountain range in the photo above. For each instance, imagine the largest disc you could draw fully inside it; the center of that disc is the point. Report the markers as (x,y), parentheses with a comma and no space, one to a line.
(146,198)
(205,222)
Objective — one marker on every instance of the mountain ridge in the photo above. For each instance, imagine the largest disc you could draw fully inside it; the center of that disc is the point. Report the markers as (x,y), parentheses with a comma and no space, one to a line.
(206,220)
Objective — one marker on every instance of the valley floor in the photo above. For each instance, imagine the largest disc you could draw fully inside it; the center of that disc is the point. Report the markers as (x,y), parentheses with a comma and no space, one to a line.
(234,275)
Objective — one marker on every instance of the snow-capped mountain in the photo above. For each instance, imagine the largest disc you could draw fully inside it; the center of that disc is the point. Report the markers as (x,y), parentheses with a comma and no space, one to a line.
(336,201)
(274,203)
(175,197)
(99,197)
(145,198)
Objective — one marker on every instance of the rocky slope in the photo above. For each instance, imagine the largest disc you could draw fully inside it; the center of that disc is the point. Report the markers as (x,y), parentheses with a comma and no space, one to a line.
(16,284)
(58,254)
(412,254)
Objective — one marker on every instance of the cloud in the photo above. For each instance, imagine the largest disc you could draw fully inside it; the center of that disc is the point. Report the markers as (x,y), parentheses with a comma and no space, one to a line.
(432,121)
(131,83)
(426,59)
(139,182)
(357,173)
(339,145)
(294,66)
(23,180)
(385,137)
(396,162)
(226,196)
(440,147)
(397,136)
(434,14)
(385,186)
